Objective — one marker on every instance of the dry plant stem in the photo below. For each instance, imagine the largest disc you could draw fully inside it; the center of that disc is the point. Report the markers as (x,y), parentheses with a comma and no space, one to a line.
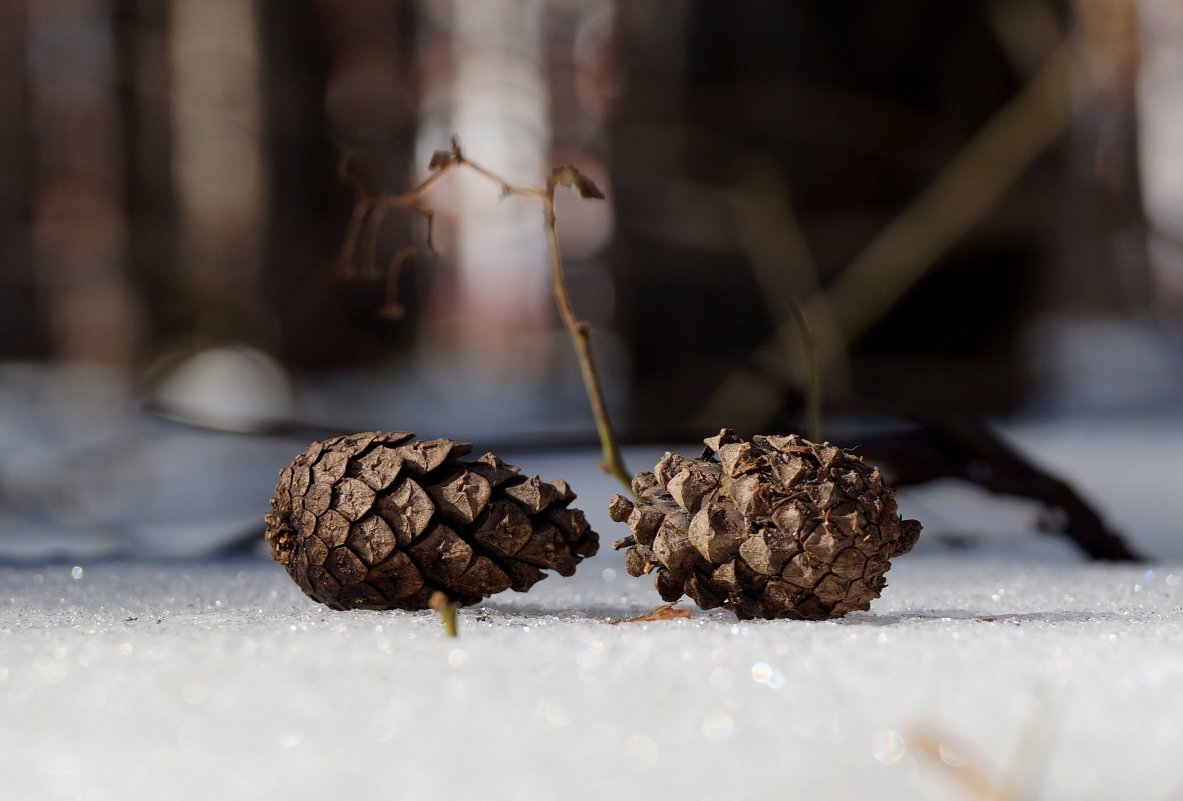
(579,331)
(361,210)
(813,379)
(774,245)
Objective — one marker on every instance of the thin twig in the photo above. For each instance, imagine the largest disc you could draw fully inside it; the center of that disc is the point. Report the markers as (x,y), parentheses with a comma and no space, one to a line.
(612,462)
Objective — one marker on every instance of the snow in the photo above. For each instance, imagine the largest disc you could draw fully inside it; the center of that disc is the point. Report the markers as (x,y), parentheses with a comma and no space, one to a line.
(180,677)
(219,679)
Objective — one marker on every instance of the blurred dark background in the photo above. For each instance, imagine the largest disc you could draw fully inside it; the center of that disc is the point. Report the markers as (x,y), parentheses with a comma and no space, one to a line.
(979,206)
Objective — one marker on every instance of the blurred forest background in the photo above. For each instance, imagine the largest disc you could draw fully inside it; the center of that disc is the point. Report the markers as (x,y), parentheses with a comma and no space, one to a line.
(979,205)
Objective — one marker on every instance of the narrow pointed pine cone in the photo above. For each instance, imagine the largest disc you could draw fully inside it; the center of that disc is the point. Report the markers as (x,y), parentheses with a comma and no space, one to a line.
(778,527)
(376,521)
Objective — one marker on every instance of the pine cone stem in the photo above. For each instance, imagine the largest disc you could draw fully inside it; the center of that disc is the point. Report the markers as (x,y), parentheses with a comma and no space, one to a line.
(447,610)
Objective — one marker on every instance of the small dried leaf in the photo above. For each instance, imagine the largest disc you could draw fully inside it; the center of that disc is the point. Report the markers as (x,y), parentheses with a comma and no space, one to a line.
(441,159)
(664,612)
(572,178)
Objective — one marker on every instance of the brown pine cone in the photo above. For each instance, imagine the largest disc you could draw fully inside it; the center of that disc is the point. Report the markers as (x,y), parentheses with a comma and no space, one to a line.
(777,527)
(373,521)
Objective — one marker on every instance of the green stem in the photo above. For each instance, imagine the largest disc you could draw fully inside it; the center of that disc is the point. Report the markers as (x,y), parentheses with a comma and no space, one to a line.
(446,609)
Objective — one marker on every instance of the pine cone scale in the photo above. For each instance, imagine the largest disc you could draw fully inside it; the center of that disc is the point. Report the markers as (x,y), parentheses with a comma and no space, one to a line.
(461,495)
(372,539)
(408,511)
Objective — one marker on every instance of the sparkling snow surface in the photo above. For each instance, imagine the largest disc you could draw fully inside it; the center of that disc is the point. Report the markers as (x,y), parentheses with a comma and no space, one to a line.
(220,680)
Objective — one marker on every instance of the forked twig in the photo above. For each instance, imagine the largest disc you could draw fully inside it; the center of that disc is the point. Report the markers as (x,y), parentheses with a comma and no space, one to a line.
(443,162)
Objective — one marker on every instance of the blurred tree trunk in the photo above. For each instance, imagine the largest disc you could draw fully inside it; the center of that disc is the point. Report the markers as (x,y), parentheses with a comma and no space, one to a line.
(168,315)
(219,165)
(22,329)
(79,227)
(828,120)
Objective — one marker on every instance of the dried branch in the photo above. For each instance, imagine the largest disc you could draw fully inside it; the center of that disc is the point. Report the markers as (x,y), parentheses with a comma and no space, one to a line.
(969,186)
(968,450)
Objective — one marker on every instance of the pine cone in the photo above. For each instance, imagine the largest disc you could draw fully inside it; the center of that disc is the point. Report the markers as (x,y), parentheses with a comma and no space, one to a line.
(372,521)
(778,527)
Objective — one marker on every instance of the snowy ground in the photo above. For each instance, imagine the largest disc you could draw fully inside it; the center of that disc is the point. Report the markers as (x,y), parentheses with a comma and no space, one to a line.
(193,679)
(219,680)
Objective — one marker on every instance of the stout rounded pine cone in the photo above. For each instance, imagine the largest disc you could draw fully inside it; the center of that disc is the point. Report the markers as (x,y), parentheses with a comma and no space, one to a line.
(778,527)
(375,521)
